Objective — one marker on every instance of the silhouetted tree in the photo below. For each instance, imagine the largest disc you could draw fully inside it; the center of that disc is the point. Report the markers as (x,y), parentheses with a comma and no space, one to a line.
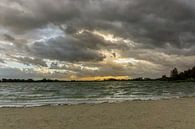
(186,75)
(164,77)
(193,72)
(174,73)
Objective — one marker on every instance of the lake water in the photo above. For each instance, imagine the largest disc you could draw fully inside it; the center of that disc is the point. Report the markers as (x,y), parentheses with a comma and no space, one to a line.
(37,94)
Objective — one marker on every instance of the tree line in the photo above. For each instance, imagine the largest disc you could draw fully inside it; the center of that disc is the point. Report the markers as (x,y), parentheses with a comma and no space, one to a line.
(185,75)
(27,80)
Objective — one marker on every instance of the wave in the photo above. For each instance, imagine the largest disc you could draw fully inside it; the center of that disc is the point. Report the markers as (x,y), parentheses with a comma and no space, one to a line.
(73,101)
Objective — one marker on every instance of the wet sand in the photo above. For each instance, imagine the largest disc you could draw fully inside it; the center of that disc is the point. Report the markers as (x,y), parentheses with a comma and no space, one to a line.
(161,114)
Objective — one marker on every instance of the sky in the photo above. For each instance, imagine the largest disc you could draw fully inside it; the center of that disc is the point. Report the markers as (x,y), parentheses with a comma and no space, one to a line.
(95,39)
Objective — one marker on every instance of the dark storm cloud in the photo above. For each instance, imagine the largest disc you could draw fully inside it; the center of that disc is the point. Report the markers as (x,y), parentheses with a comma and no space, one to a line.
(17,42)
(2,61)
(22,15)
(31,61)
(153,22)
(8,37)
(79,47)
(163,58)
(65,49)
(163,32)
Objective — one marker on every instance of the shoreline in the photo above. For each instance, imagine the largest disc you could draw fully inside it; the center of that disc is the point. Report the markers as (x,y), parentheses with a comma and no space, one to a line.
(114,101)
(161,114)
(99,103)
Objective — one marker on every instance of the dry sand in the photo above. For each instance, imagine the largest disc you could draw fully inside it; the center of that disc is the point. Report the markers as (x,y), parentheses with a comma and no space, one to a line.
(163,114)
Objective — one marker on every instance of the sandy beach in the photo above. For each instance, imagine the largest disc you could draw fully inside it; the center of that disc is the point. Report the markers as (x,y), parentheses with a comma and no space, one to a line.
(162,114)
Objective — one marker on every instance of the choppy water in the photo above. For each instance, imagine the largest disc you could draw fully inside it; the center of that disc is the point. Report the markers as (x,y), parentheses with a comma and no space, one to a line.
(37,94)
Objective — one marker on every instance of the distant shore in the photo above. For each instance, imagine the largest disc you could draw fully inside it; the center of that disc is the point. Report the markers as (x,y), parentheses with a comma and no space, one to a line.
(161,114)
(45,81)
(187,76)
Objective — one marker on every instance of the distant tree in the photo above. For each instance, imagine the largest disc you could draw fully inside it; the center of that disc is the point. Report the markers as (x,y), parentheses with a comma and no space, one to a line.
(138,79)
(193,72)
(174,73)
(4,80)
(164,77)
(186,75)
(181,76)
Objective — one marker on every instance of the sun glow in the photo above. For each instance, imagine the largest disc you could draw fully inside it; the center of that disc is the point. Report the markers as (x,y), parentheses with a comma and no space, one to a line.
(109,37)
(99,78)
(126,60)
(114,39)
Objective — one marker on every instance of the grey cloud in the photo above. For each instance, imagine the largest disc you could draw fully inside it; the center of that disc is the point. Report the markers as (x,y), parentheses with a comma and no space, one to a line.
(138,69)
(164,58)
(16,41)
(152,21)
(114,69)
(2,61)
(8,37)
(163,32)
(14,73)
(65,49)
(17,73)
(24,15)
(31,61)
(78,47)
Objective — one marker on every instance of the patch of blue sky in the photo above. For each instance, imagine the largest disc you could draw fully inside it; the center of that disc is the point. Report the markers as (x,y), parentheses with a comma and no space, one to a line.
(13,64)
(50,31)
